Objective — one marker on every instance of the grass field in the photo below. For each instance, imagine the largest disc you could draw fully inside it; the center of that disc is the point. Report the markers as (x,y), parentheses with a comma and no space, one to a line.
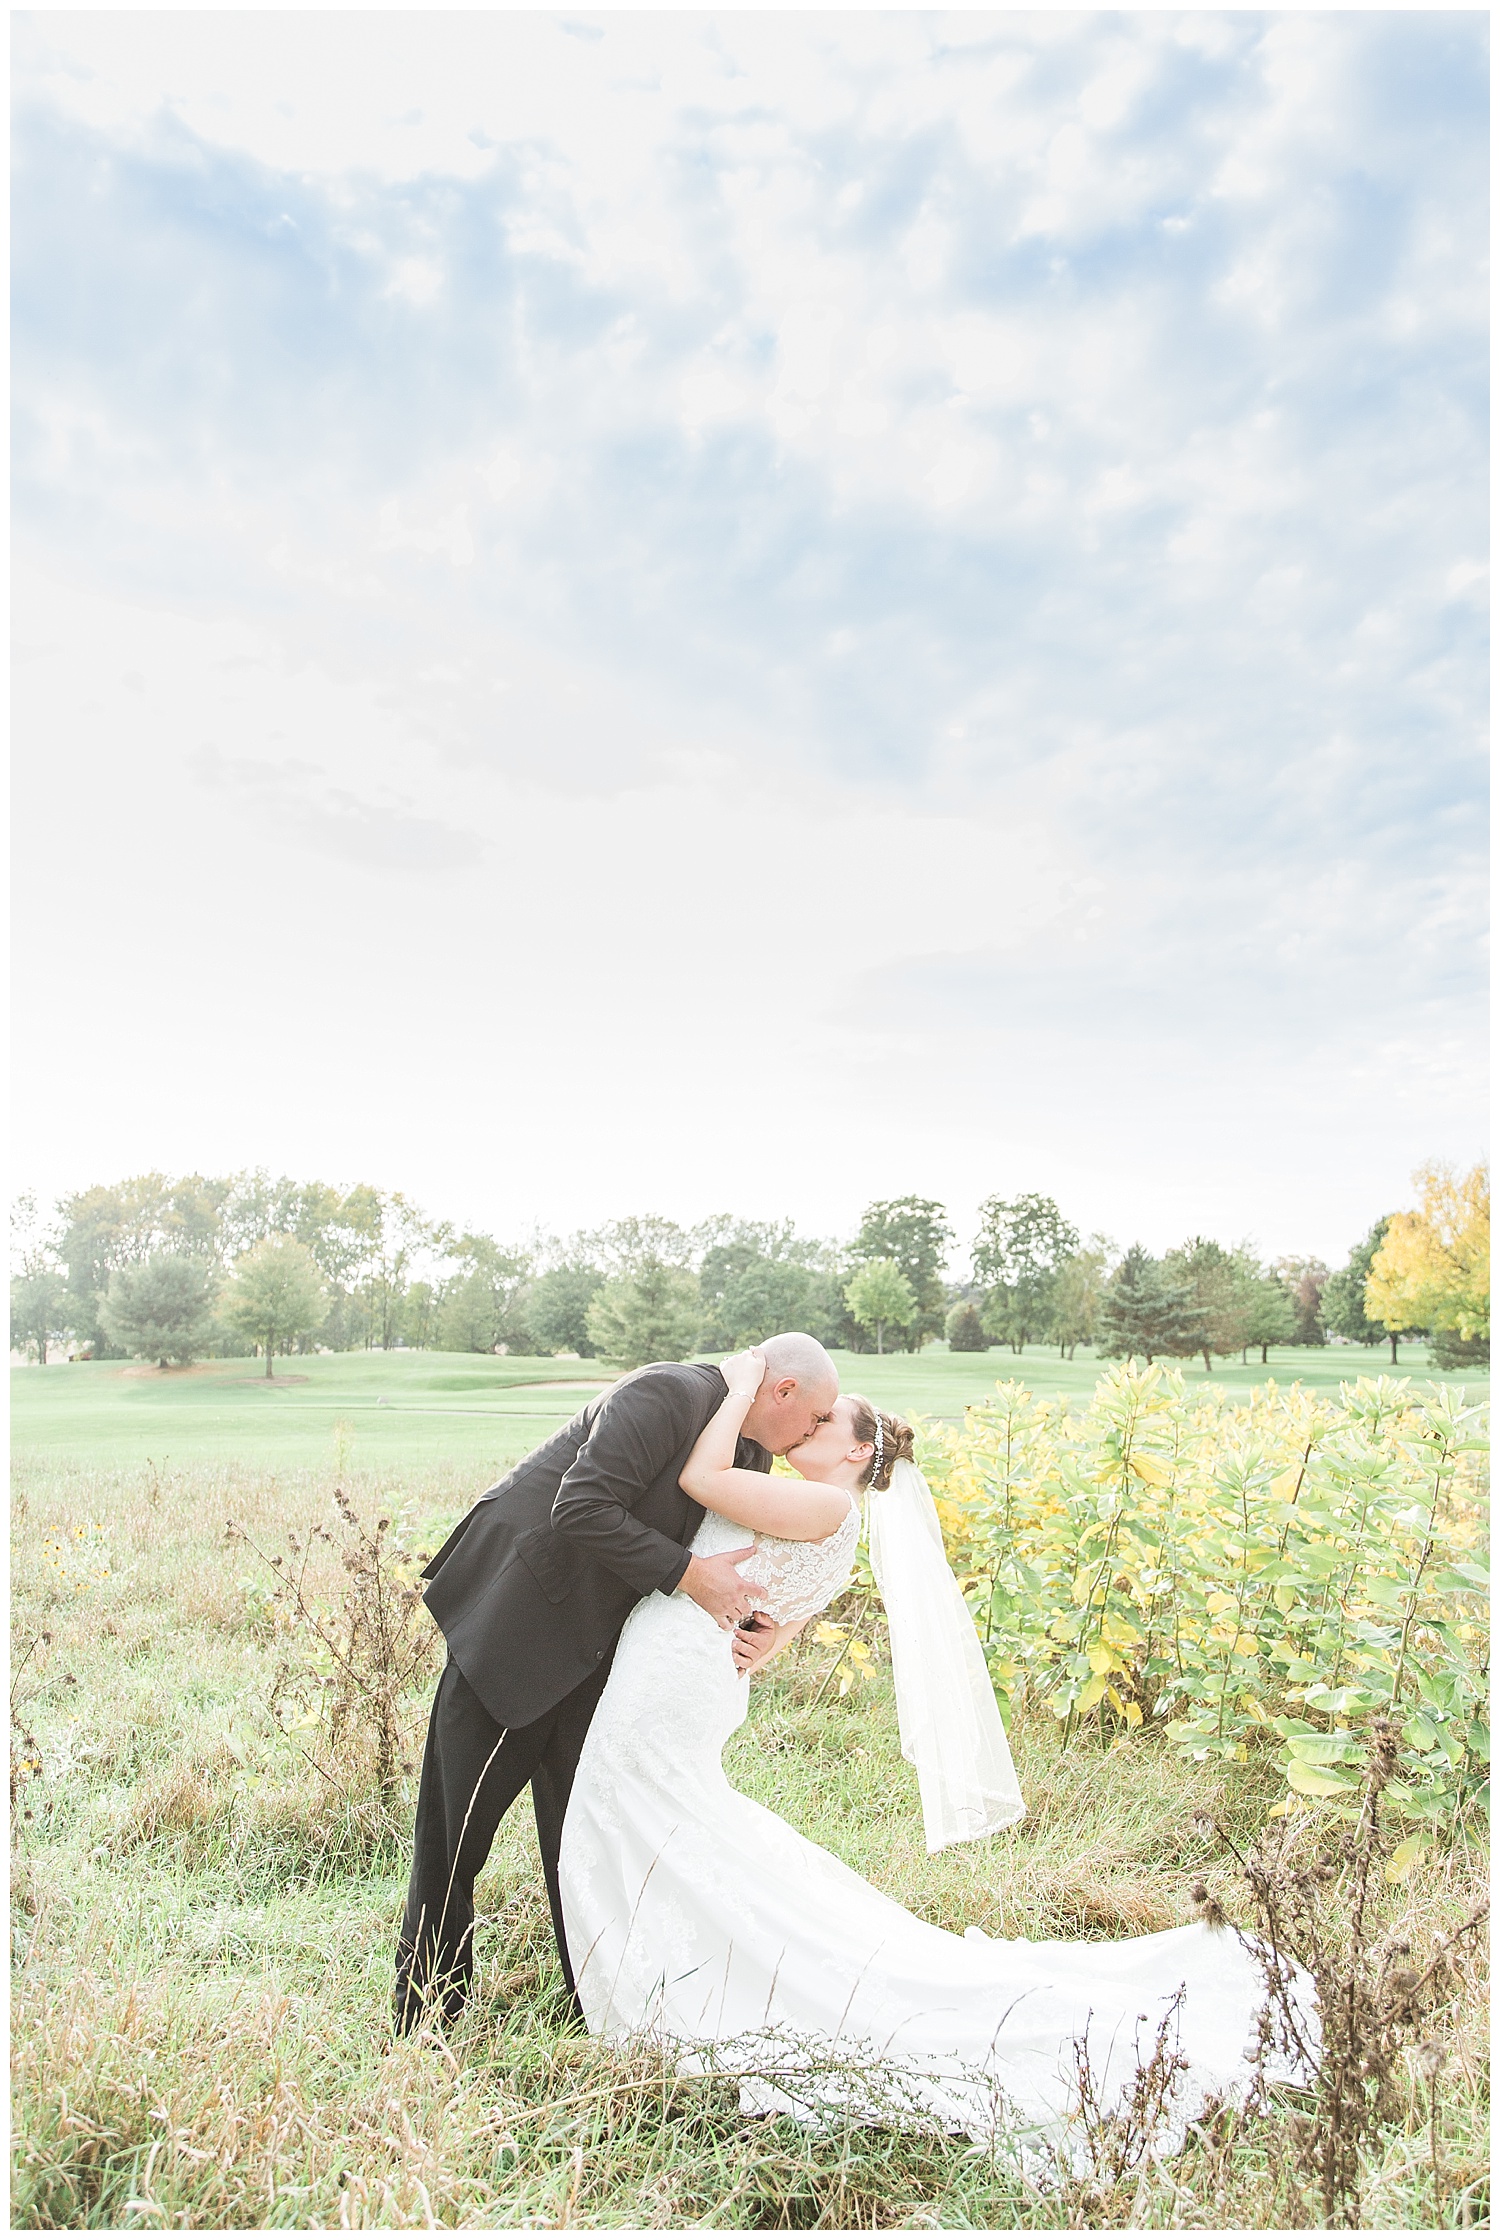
(204,1922)
(479,1413)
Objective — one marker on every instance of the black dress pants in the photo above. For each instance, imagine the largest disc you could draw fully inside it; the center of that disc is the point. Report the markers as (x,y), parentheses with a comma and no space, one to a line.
(472,1772)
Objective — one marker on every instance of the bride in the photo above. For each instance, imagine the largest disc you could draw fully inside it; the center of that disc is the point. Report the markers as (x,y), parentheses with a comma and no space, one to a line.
(695,1915)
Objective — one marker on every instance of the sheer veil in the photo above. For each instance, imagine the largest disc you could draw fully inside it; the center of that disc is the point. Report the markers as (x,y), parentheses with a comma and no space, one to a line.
(950,1723)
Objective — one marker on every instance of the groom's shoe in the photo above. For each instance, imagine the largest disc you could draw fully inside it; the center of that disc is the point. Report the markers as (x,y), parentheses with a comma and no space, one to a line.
(416,2004)
(407,2009)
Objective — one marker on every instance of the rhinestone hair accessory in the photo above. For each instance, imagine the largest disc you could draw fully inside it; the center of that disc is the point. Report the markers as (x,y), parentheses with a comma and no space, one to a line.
(879,1445)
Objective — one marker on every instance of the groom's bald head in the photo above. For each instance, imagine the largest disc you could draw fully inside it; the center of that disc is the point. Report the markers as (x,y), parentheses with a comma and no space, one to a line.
(794,1354)
(798,1389)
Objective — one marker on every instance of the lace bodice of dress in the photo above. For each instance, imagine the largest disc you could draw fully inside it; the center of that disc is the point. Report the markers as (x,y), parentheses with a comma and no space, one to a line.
(792,1579)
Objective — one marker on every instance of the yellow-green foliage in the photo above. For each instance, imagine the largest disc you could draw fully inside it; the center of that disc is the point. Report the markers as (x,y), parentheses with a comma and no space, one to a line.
(1248,1573)
(1432,1270)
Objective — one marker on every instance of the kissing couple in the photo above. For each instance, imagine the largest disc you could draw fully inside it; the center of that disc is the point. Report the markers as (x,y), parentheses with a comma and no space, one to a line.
(604,1607)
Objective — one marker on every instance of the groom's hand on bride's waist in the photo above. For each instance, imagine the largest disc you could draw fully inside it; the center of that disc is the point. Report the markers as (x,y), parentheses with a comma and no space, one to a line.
(714,1583)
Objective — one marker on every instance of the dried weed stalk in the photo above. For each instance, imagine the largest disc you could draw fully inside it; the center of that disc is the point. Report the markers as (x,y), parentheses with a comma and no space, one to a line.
(1318,1910)
(354,1663)
(25,1751)
(1120,2133)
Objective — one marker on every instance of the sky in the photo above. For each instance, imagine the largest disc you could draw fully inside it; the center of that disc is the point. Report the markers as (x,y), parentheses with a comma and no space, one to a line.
(628,613)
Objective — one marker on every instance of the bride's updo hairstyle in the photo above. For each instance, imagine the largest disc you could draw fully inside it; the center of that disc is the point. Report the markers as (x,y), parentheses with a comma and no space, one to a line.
(897,1442)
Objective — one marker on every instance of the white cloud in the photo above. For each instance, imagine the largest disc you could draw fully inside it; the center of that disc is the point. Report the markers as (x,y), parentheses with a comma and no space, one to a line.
(972,520)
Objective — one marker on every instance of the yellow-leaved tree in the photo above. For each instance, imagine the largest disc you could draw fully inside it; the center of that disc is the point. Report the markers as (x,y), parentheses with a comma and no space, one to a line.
(1432,1271)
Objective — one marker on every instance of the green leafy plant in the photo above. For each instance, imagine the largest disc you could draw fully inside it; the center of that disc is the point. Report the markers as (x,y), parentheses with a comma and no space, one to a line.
(1249,1576)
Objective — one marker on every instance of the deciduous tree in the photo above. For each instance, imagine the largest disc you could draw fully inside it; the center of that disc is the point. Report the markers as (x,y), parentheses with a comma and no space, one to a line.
(261,1205)
(1304,1279)
(914,1232)
(558,1307)
(485,1303)
(405,1234)
(768,1296)
(1344,1306)
(277,1295)
(1076,1292)
(419,1314)
(755,1277)
(639,1240)
(880,1296)
(118,1225)
(42,1311)
(1020,1245)
(1431,1269)
(339,1228)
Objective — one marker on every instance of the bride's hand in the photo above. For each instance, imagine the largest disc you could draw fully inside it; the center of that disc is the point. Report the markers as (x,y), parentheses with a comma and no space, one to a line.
(743,1372)
(757,1639)
(754,1639)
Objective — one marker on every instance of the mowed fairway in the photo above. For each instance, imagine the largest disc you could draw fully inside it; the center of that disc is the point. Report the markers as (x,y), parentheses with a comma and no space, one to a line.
(386,1408)
(943,1384)
(482,1412)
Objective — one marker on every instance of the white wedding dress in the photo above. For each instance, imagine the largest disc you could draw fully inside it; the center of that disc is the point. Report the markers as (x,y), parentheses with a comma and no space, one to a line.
(693,1914)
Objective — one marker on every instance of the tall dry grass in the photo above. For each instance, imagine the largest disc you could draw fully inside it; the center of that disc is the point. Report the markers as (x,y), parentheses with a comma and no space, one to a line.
(204,1932)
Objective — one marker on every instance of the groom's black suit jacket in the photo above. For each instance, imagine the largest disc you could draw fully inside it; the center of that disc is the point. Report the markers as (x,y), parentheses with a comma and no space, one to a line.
(532,1587)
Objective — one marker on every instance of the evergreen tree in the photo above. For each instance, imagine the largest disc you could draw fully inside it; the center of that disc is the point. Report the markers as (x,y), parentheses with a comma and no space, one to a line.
(111,1226)
(965,1330)
(1451,1350)
(161,1308)
(652,1314)
(1143,1313)
(1221,1285)
(1273,1317)
(1344,1292)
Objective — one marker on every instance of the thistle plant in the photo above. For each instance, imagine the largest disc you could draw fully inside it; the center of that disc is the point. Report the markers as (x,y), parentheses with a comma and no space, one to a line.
(1317,1896)
(349,1664)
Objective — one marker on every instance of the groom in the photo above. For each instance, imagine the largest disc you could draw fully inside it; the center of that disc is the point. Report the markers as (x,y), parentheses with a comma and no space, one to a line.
(531,1589)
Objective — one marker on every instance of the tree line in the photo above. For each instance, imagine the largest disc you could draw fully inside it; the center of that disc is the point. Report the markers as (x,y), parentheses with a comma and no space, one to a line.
(187,1268)
(1416,1274)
